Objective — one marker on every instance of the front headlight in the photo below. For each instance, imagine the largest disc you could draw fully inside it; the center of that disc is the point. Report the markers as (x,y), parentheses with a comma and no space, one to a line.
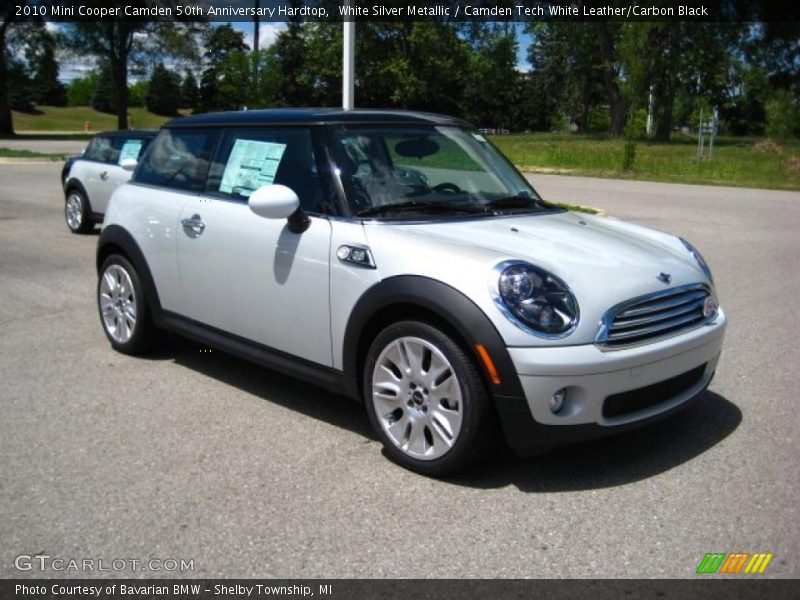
(535,300)
(699,258)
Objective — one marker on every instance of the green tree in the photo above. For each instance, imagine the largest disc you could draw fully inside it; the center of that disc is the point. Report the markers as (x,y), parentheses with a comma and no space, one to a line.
(324,55)
(220,42)
(105,95)
(118,44)
(21,93)
(163,91)
(783,116)
(81,89)
(10,76)
(294,71)
(190,92)
(235,87)
(565,83)
(40,53)
(417,65)
(137,92)
(493,86)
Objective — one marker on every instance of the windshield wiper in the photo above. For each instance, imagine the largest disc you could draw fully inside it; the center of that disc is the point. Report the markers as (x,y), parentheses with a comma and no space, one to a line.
(416,205)
(518,201)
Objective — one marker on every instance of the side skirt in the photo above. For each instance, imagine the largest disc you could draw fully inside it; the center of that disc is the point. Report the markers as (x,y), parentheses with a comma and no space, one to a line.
(332,380)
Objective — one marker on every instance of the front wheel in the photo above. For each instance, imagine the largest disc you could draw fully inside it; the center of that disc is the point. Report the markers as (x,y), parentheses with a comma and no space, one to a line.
(124,313)
(426,400)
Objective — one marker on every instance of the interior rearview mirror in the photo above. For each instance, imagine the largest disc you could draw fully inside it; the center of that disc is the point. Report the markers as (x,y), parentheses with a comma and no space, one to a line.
(417,147)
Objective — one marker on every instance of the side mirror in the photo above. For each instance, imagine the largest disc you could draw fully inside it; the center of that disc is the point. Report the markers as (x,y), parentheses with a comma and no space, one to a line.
(128,164)
(279,202)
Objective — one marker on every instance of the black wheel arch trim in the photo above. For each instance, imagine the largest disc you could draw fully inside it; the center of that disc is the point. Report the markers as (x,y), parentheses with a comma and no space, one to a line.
(76,183)
(457,310)
(119,237)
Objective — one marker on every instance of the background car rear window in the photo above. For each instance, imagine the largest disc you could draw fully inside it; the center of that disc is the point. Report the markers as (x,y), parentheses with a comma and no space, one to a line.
(178,158)
(250,158)
(102,149)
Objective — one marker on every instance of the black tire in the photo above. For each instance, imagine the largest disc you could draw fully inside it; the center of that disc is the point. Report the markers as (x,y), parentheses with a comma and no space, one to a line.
(84,222)
(478,436)
(143,334)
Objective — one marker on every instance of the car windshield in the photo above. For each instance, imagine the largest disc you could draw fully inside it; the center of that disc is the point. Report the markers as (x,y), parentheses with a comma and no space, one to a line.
(416,172)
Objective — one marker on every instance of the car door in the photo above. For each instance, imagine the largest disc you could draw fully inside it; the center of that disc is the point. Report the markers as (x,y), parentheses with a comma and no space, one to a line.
(96,180)
(172,172)
(249,275)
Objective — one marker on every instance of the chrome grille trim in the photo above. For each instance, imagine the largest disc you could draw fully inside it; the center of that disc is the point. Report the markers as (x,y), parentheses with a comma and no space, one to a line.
(653,316)
(672,301)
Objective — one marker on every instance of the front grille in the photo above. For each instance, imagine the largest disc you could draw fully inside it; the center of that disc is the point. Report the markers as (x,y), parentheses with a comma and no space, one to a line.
(617,405)
(653,316)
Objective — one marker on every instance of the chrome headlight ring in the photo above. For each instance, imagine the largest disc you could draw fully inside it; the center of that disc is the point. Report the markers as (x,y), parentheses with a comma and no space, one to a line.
(534,300)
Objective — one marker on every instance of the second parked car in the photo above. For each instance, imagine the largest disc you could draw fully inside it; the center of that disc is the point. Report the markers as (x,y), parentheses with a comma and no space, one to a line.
(90,179)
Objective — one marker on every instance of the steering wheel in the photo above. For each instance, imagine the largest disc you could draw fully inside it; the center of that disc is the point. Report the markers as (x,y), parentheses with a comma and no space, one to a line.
(449,188)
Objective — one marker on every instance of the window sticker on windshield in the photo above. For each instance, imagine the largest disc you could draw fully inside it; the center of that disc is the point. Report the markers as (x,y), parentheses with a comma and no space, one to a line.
(252,164)
(479,137)
(130,149)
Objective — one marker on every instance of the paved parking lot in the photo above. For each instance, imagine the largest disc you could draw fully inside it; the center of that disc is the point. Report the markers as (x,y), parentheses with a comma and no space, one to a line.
(198,456)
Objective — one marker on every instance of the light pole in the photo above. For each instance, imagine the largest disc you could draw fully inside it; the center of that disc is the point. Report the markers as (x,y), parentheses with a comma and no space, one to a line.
(349,65)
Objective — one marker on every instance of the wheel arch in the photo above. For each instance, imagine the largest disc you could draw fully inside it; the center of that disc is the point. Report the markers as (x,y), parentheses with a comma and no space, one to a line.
(75,184)
(414,297)
(117,240)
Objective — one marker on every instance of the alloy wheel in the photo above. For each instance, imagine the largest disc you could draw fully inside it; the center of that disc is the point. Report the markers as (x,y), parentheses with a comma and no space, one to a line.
(417,398)
(117,303)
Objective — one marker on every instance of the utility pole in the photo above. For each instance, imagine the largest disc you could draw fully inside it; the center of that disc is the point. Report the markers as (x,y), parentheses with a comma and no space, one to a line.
(257,28)
(256,35)
(349,63)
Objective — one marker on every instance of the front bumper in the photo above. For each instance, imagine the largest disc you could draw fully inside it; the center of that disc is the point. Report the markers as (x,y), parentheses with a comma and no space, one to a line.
(590,375)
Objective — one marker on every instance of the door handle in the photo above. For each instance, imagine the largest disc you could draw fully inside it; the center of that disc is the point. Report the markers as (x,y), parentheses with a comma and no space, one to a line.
(104,175)
(194,225)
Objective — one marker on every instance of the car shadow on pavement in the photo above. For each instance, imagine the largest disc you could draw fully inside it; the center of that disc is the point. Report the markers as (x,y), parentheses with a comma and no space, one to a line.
(270,385)
(616,460)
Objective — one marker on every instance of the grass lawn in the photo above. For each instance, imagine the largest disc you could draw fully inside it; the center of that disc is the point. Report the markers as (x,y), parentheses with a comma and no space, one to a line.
(72,118)
(13,153)
(748,162)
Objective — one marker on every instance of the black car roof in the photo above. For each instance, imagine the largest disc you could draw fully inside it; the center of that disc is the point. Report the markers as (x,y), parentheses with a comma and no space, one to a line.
(314,116)
(128,133)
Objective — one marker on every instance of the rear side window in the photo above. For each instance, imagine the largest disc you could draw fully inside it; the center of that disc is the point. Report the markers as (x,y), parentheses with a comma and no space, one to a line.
(178,158)
(250,158)
(102,149)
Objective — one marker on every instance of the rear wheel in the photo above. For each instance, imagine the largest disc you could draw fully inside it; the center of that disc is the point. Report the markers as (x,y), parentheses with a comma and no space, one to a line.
(77,212)
(124,312)
(426,400)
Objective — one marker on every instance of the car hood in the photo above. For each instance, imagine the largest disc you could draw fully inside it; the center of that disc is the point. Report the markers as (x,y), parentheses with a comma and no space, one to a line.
(604,261)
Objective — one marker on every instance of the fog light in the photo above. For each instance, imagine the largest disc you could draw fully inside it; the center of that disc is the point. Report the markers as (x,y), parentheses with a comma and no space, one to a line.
(557,400)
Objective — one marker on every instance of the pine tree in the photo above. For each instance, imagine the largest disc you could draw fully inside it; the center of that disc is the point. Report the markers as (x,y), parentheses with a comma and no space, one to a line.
(104,97)
(41,55)
(164,93)
(190,93)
